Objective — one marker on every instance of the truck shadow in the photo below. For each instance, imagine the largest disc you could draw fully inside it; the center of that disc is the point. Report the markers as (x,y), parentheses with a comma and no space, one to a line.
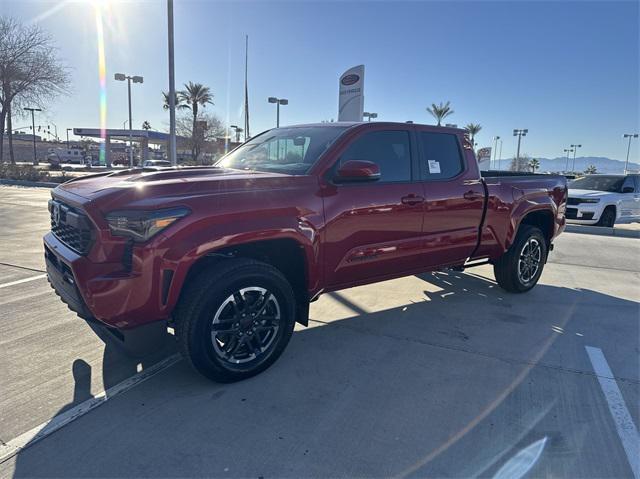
(453,384)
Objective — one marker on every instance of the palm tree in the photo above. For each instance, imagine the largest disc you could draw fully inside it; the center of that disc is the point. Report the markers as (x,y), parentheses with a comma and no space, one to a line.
(194,95)
(534,164)
(473,129)
(441,111)
(178,101)
(591,170)
(146,125)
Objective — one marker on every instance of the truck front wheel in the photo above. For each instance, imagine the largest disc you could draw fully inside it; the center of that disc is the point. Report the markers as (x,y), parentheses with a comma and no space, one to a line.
(519,269)
(234,321)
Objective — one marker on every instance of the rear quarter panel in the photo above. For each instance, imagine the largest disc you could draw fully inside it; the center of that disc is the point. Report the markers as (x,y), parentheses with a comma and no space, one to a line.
(510,200)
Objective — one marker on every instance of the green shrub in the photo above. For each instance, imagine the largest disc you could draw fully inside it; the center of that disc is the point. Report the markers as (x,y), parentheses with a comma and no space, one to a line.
(22,172)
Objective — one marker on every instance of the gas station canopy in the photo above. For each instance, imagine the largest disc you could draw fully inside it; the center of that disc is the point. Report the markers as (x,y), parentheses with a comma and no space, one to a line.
(124,134)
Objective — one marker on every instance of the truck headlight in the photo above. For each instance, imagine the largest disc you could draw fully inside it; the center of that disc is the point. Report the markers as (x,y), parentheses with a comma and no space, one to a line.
(589,200)
(142,225)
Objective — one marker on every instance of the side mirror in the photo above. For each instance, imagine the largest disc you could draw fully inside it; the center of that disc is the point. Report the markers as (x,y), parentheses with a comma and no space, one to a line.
(628,189)
(357,171)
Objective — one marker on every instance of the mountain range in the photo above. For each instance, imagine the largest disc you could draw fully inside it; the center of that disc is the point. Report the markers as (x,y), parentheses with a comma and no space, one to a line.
(602,164)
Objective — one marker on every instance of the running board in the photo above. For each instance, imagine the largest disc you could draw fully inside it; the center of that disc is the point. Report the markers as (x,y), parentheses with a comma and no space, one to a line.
(471,264)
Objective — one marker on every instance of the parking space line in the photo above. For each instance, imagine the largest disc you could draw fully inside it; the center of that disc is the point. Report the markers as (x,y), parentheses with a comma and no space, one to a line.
(627,430)
(13,447)
(25,280)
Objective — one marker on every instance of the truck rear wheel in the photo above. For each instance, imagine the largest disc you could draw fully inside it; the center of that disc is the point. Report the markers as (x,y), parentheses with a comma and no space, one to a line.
(520,268)
(234,321)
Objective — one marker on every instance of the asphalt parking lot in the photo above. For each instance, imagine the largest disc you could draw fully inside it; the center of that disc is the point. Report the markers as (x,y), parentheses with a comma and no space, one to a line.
(439,375)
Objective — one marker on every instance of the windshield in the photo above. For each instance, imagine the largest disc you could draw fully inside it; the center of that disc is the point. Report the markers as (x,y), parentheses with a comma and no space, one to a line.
(292,151)
(611,184)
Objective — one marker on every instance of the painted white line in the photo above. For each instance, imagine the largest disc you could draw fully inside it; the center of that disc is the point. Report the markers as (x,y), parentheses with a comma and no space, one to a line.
(28,438)
(25,280)
(627,430)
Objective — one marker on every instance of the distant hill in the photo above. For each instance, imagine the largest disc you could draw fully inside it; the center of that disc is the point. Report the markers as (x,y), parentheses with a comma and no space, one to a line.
(603,165)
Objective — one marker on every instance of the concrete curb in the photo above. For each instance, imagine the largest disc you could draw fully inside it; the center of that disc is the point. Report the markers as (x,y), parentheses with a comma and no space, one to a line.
(37,184)
(603,231)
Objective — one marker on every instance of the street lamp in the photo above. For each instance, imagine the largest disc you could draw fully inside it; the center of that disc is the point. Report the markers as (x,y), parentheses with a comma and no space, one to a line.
(68,130)
(495,150)
(129,79)
(567,151)
(278,102)
(628,135)
(575,148)
(173,158)
(366,114)
(519,134)
(238,130)
(33,126)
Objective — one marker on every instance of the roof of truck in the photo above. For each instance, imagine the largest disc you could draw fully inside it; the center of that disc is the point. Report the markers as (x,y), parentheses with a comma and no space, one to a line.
(377,123)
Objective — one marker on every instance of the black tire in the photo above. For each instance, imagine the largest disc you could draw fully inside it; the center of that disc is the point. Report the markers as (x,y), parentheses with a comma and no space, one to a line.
(200,307)
(509,271)
(608,217)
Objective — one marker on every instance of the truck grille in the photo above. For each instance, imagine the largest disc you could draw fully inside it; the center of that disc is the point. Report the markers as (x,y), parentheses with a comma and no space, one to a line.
(71,227)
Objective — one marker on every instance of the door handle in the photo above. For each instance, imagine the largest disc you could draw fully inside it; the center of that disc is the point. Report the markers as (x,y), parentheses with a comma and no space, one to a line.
(472,195)
(412,200)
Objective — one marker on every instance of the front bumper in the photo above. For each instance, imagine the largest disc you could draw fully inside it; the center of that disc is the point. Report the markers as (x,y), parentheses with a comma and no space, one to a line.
(583,213)
(63,282)
(117,297)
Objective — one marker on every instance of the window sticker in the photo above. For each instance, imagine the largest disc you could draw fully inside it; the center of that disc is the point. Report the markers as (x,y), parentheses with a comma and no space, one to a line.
(434,167)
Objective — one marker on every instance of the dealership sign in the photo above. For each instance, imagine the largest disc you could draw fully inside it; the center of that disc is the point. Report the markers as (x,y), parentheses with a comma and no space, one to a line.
(351,94)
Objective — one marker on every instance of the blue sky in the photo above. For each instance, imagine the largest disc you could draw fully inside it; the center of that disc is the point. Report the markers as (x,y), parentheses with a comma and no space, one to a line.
(566,70)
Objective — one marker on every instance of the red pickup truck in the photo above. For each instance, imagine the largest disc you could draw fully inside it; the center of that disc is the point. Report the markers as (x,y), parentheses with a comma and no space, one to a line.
(231,256)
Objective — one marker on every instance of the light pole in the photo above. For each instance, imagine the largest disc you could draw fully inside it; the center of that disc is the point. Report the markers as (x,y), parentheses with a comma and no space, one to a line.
(238,130)
(519,134)
(278,102)
(33,125)
(575,148)
(172,88)
(68,130)
(500,156)
(366,114)
(136,79)
(495,150)
(628,135)
(567,151)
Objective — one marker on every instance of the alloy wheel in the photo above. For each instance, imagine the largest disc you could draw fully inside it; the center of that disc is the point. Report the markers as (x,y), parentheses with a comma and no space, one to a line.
(529,261)
(245,325)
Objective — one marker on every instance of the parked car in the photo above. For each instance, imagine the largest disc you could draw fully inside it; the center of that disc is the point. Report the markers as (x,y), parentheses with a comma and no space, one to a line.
(231,256)
(156,163)
(602,200)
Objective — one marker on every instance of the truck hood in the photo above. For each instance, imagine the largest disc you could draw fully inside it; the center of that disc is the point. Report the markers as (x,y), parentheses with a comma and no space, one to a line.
(149,185)
(588,193)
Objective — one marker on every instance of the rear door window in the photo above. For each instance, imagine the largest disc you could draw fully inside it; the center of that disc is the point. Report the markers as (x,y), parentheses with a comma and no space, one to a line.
(441,155)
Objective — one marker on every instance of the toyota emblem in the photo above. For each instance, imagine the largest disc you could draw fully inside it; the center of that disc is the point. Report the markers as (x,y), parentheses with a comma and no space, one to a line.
(56,214)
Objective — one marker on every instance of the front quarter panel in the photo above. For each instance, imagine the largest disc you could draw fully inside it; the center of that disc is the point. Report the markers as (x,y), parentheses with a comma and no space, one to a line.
(293,213)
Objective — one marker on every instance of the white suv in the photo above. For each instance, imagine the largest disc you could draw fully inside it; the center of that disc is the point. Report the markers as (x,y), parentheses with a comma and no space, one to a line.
(602,200)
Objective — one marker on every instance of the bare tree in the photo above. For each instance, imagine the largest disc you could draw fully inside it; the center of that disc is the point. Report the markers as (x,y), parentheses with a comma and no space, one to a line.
(520,164)
(208,128)
(30,72)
